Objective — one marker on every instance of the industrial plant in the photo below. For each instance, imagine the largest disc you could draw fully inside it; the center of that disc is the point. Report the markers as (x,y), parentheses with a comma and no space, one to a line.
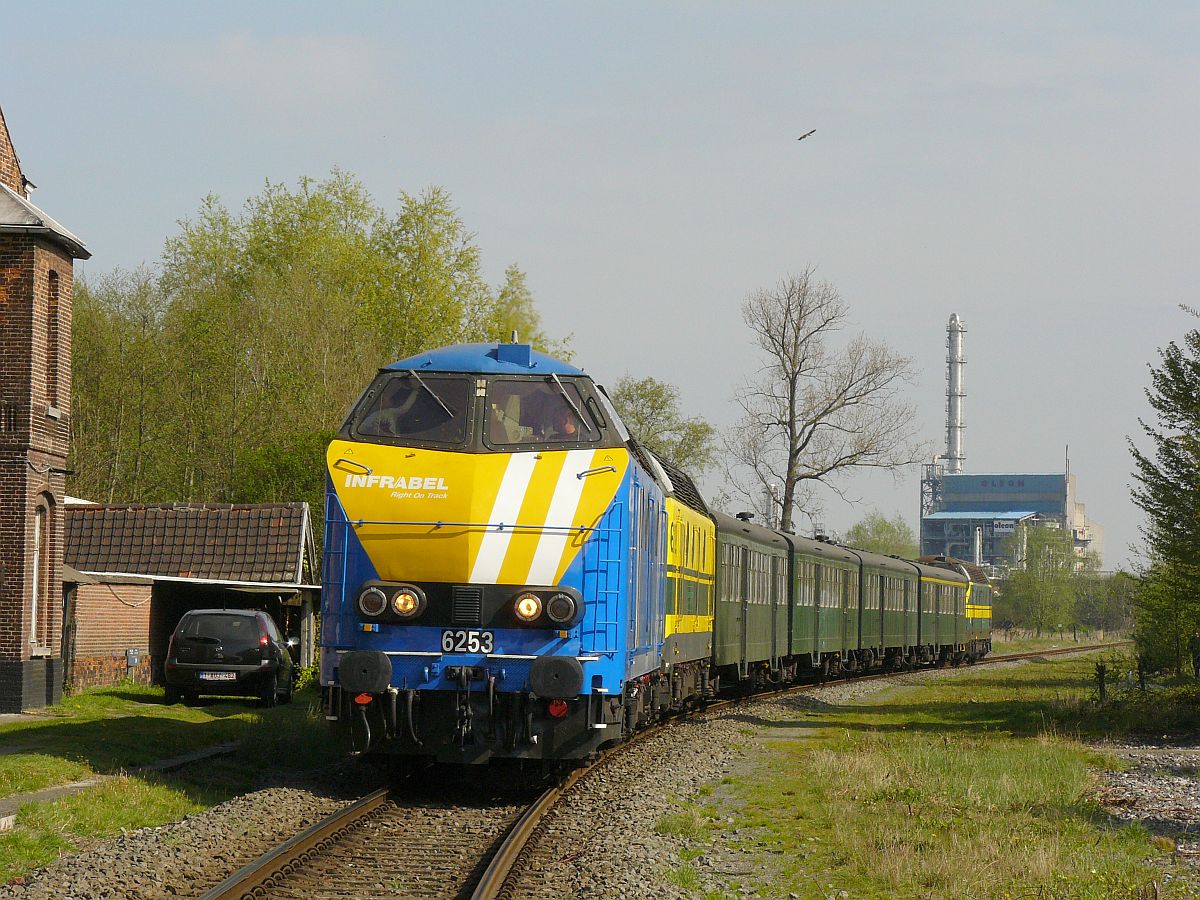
(973,516)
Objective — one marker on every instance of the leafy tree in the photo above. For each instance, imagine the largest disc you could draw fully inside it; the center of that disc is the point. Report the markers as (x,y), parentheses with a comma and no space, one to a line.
(1168,490)
(816,412)
(1106,602)
(516,313)
(435,292)
(650,410)
(1041,589)
(119,371)
(1165,613)
(878,534)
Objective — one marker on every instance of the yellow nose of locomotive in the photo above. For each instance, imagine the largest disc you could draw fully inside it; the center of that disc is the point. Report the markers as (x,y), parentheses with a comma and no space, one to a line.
(483,518)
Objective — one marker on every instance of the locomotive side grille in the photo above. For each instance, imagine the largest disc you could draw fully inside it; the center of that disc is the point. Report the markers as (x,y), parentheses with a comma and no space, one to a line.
(466,605)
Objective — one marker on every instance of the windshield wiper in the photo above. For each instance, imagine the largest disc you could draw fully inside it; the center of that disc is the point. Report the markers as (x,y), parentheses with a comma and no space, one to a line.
(431,393)
(562,390)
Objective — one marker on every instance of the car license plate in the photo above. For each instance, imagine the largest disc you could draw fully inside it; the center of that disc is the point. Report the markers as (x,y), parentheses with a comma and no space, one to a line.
(467,640)
(218,676)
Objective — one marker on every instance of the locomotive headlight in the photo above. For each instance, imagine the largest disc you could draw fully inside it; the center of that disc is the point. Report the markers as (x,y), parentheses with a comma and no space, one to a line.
(561,608)
(408,602)
(372,602)
(528,607)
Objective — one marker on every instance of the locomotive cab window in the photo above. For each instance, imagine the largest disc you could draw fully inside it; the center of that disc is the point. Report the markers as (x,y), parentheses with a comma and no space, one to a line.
(544,411)
(415,408)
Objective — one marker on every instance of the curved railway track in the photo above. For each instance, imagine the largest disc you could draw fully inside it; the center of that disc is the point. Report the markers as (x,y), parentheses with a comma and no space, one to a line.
(389,845)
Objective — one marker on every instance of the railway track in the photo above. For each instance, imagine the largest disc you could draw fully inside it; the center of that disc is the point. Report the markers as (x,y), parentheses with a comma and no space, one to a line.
(429,840)
(446,841)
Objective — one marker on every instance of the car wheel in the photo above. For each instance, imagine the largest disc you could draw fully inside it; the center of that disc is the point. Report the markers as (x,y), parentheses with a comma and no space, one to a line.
(190,698)
(270,694)
(171,695)
(286,696)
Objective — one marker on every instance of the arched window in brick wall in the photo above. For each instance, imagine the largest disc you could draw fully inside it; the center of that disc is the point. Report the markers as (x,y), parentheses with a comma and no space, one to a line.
(41,613)
(52,341)
(39,551)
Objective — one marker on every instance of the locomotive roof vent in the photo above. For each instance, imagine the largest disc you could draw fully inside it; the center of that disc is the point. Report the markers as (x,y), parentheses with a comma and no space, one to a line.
(745,516)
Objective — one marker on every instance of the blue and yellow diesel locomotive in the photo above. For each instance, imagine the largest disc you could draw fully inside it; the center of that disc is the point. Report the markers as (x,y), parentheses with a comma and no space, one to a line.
(508,573)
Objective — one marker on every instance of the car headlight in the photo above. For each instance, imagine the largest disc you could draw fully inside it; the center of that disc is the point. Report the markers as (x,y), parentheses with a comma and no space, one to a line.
(372,602)
(527,606)
(561,608)
(408,602)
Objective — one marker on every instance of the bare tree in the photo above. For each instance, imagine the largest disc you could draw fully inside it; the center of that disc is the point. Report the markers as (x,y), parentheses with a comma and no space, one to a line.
(816,412)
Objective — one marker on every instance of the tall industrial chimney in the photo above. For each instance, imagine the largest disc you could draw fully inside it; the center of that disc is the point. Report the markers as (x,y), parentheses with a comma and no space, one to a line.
(956,363)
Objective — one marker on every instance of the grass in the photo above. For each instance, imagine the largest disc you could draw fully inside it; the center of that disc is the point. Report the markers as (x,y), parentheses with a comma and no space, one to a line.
(1021,641)
(967,787)
(114,730)
(686,824)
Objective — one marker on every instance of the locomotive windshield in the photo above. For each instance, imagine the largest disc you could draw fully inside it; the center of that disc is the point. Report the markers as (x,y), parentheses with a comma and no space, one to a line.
(549,411)
(430,409)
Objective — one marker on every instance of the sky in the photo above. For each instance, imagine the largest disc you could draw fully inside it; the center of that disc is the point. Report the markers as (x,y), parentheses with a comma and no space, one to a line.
(1031,167)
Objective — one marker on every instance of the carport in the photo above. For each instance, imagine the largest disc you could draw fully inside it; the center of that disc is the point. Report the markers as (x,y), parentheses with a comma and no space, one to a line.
(201,556)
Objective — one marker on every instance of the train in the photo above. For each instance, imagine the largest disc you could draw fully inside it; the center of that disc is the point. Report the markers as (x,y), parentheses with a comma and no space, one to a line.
(510,574)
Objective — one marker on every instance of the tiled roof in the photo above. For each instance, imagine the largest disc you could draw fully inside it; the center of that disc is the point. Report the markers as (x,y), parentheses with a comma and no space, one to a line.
(209,542)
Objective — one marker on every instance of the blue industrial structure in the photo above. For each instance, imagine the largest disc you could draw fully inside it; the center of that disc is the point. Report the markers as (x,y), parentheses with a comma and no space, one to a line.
(971,516)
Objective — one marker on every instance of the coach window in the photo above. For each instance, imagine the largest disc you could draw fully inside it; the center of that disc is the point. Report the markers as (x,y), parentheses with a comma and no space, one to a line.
(408,407)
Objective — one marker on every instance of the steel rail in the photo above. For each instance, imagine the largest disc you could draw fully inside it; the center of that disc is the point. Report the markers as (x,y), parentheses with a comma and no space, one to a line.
(256,879)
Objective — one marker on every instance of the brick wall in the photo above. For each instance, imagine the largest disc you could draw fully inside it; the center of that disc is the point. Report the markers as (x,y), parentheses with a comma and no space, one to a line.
(35,387)
(105,671)
(108,619)
(112,618)
(10,167)
(35,280)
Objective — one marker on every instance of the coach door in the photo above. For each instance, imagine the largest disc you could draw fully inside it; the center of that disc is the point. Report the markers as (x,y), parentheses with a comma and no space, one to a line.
(744,588)
(818,600)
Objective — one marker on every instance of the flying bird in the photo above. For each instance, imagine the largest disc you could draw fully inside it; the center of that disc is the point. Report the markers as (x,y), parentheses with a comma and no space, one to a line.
(803,136)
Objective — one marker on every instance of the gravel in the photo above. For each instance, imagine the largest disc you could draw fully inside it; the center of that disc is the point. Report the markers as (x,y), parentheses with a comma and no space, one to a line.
(1160,789)
(186,858)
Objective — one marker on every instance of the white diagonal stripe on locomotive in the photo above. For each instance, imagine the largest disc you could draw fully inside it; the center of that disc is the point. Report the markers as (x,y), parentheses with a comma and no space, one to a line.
(560,518)
(505,512)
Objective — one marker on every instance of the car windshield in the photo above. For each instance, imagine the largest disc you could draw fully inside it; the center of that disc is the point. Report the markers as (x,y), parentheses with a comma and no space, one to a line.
(227,629)
(425,408)
(543,411)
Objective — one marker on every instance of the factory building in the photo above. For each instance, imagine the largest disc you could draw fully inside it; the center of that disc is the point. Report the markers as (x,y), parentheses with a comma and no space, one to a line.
(973,516)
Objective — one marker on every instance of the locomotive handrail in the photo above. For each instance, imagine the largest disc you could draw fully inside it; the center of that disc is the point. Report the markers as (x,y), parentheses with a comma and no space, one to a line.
(499,526)
(595,471)
(354,462)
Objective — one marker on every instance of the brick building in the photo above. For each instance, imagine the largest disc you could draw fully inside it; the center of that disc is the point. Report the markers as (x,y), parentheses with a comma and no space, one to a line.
(37,257)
